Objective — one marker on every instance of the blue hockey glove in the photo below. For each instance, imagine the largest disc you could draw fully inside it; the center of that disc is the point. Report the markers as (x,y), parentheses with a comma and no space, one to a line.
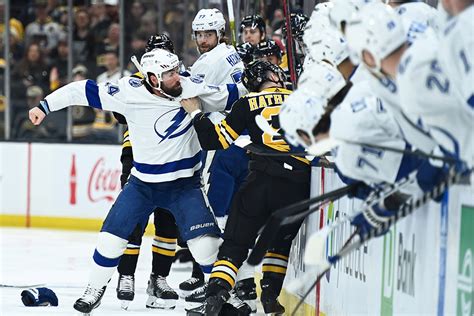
(40,296)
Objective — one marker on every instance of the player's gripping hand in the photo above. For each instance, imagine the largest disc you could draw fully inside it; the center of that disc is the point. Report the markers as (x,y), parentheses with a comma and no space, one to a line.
(36,116)
(190,105)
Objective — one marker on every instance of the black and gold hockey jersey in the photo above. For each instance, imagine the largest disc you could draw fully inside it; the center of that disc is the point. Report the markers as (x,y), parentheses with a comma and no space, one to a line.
(242,117)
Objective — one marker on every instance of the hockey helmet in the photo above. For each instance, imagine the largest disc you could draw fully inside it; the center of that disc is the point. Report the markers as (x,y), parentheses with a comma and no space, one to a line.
(209,20)
(253,21)
(322,79)
(298,24)
(159,41)
(343,10)
(256,73)
(327,45)
(245,51)
(157,62)
(267,48)
(377,29)
(299,114)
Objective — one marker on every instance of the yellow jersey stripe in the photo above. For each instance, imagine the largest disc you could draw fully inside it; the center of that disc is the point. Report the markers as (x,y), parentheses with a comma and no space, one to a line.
(222,140)
(125,134)
(131,251)
(274,269)
(275,255)
(164,252)
(167,240)
(127,144)
(227,264)
(229,129)
(306,161)
(222,275)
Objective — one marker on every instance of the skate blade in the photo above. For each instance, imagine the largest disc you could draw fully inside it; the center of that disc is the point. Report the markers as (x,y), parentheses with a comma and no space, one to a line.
(124,305)
(158,303)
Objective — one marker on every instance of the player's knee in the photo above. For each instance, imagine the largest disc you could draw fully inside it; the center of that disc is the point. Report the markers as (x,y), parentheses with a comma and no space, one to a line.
(204,249)
(110,246)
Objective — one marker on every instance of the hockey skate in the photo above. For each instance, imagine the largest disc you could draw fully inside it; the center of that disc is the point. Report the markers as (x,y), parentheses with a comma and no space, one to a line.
(269,297)
(125,290)
(160,294)
(186,288)
(196,298)
(235,306)
(89,300)
(246,291)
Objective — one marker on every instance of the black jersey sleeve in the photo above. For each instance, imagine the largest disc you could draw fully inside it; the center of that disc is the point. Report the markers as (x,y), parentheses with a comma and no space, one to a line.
(126,158)
(222,135)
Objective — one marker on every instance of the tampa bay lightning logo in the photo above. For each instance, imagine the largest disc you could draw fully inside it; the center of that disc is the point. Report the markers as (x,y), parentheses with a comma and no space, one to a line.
(169,125)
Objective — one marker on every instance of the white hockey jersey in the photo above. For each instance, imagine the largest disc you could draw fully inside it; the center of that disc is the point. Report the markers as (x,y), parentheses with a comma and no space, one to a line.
(456,54)
(165,146)
(428,98)
(362,118)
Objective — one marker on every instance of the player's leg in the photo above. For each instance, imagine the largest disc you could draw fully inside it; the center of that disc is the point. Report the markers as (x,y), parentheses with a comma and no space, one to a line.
(248,213)
(161,295)
(127,267)
(133,206)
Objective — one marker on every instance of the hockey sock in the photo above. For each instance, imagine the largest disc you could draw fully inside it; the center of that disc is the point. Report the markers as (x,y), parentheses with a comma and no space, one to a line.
(274,270)
(226,271)
(106,258)
(197,271)
(129,259)
(163,250)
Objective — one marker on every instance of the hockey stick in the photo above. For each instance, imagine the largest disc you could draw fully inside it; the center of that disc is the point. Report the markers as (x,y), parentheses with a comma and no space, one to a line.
(357,239)
(324,146)
(290,44)
(25,286)
(230,9)
(292,213)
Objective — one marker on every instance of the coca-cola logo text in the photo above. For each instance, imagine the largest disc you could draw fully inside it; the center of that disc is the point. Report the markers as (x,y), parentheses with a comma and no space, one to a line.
(104,183)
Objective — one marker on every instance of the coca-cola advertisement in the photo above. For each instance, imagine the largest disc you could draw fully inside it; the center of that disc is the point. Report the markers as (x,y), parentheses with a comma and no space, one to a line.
(104,182)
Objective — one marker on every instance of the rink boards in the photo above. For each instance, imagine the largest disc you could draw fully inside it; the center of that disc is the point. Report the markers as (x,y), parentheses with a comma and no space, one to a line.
(424,265)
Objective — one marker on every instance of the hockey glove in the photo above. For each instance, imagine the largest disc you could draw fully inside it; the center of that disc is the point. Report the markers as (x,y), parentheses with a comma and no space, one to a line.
(40,296)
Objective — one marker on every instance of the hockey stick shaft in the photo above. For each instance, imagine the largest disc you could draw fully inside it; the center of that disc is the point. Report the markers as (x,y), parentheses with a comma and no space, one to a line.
(230,8)
(295,211)
(290,44)
(322,274)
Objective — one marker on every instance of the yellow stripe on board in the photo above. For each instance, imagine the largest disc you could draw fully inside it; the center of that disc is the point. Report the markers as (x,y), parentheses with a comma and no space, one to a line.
(65,223)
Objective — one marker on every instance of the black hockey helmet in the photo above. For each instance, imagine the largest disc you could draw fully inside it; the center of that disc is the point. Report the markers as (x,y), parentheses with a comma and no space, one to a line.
(298,24)
(159,41)
(267,48)
(253,21)
(256,74)
(245,51)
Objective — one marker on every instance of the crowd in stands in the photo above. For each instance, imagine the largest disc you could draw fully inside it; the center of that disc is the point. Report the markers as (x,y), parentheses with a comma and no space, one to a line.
(39,54)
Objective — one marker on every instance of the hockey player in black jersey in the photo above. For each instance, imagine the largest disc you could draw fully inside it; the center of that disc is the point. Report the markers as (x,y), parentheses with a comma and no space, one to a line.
(273,182)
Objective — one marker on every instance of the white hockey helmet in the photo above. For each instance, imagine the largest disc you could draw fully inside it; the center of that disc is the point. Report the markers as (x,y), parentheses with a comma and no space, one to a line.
(343,10)
(318,21)
(416,17)
(209,20)
(377,29)
(321,79)
(327,45)
(157,62)
(299,114)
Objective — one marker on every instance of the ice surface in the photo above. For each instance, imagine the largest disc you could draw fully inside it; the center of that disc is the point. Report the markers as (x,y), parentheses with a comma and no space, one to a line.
(60,260)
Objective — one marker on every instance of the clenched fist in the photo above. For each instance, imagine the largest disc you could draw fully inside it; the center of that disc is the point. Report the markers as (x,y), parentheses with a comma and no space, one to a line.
(36,116)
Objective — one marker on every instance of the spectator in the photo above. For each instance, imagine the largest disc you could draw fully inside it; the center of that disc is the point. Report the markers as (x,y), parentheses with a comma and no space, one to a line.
(83,39)
(100,21)
(58,64)
(112,74)
(31,70)
(110,43)
(43,31)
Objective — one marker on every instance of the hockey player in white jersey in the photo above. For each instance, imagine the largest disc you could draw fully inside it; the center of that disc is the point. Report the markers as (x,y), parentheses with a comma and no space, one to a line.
(167,160)
(425,93)
(225,170)
(456,50)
